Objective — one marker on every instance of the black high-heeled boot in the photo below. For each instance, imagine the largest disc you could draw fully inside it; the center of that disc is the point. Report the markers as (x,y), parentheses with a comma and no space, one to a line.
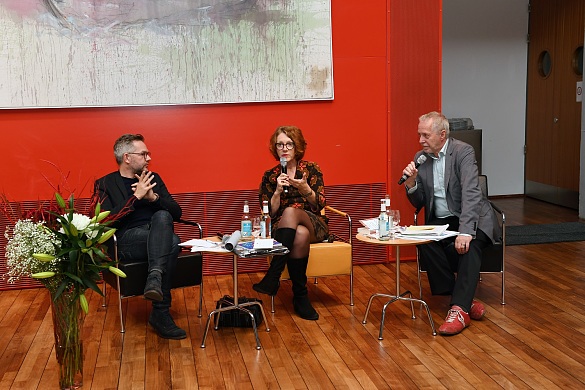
(271,282)
(297,269)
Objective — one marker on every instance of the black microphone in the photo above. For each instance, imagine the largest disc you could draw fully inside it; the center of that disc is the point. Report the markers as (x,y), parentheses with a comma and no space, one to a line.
(283,165)
(421,159)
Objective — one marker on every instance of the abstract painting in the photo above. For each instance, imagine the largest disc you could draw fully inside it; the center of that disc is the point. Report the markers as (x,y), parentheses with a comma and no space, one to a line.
(79,53)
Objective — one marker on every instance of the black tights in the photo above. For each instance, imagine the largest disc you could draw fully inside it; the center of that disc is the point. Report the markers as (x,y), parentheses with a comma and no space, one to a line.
(298,219)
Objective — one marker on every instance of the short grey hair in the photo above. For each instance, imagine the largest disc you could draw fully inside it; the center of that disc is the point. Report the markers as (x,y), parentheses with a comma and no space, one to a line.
(439,122)
(125,144)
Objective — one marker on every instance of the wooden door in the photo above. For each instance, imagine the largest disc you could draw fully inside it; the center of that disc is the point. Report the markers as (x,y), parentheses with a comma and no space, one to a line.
(553,118)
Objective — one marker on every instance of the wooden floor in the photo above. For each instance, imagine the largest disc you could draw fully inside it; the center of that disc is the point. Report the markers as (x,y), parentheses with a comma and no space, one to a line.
(537,340)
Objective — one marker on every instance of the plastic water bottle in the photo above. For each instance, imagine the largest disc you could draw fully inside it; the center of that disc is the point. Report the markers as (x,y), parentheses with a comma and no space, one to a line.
(383,226)
(246,224)
(265,222)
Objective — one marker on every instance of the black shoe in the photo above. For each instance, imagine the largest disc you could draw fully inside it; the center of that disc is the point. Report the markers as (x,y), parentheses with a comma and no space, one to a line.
(304,309)
(267,286)
(165,327)
(152,290)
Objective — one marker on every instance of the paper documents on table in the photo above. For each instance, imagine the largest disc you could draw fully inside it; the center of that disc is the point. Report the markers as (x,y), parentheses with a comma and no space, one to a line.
(428,232)
(198,245)
(371,223)
(260,246)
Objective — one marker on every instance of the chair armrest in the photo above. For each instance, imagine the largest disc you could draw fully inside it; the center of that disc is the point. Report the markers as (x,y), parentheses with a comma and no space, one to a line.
(416,216)
(192,223)
(346,216)
(499,211)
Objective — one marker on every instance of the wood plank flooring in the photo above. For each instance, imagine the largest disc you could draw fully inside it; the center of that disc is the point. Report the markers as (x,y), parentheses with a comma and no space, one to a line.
(537,340)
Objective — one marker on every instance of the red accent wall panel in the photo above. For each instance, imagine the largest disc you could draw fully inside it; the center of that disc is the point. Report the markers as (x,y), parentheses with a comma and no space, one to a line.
(386,66)
(414,66)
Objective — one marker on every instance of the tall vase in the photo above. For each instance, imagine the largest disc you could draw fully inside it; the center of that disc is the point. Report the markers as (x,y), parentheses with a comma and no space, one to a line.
(67,327)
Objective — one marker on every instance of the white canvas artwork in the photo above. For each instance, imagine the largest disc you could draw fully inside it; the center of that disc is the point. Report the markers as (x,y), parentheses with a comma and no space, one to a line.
(74,53)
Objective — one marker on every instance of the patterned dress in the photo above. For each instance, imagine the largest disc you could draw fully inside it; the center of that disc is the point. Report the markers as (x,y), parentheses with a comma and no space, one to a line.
(294,199)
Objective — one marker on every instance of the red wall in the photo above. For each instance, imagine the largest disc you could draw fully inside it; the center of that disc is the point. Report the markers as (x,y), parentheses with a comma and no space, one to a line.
(386,70)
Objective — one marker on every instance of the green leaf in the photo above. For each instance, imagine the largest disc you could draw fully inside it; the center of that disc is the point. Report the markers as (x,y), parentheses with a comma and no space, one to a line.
(91,284)
(74,277)
(100,253)
(60,200)
(61,288)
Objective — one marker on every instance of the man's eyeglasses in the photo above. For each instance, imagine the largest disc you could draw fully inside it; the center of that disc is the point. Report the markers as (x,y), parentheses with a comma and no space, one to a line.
(143,154)
(289,145)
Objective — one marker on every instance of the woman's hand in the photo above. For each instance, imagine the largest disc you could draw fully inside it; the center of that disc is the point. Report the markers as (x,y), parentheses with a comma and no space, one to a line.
(301,184)
(282,181)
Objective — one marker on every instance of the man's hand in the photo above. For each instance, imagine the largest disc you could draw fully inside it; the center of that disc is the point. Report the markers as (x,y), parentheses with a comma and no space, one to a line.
(411,172)
(143,188)
(462,243)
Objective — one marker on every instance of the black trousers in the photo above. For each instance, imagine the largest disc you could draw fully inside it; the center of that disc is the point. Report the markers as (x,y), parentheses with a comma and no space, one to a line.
(442,261)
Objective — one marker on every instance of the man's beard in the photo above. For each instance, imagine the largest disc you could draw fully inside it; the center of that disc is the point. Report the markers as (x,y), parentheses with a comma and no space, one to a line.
(139,171)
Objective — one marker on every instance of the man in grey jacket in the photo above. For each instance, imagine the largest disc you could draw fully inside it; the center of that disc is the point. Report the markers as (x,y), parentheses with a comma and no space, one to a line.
(447,186)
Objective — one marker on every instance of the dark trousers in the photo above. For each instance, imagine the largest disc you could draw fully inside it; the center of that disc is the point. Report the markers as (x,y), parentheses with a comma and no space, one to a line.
(156,243)
(442,261)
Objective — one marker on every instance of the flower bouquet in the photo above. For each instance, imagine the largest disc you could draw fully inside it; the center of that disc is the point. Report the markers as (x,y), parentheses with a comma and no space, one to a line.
(66,252)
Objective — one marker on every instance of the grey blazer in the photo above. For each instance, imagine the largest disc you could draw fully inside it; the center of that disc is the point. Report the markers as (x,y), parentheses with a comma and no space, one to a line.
(464,197)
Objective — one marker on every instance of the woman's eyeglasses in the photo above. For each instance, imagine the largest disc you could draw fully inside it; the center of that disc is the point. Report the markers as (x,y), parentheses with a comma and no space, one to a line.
(289,145)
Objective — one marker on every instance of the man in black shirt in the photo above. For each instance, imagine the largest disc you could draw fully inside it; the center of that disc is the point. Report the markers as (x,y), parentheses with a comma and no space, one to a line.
(145,225)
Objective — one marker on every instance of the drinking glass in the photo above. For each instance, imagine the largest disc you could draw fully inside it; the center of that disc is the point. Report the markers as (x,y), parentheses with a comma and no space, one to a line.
(395,219)
(256,227)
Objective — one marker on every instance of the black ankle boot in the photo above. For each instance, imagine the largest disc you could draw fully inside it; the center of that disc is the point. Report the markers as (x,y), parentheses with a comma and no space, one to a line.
(152,289)
(304,309)
(165,327)
(271,282)
(297,269)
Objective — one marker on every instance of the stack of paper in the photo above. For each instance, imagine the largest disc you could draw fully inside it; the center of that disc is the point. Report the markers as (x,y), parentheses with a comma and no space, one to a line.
(198,245)
(427,232)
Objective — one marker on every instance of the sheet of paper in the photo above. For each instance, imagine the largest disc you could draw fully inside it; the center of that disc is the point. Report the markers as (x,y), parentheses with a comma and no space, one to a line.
(371,223)
(423,236)
(427,230)
(217,249)
(263,243)
(200,243)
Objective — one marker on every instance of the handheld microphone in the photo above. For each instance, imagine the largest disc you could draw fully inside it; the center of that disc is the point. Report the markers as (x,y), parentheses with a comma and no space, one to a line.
(283,165)
(421,159)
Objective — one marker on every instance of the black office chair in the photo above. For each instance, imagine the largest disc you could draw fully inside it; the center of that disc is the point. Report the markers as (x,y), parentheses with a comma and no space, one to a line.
(189,272)
(493,257)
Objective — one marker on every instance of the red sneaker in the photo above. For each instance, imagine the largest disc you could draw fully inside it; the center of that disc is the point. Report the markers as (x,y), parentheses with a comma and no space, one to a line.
(456,321)
(477,310)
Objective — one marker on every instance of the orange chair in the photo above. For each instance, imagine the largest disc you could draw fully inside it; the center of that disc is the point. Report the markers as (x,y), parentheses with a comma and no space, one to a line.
(329,258)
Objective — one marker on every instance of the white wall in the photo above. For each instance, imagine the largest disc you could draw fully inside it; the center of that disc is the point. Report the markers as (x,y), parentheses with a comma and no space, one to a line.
(484,78)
